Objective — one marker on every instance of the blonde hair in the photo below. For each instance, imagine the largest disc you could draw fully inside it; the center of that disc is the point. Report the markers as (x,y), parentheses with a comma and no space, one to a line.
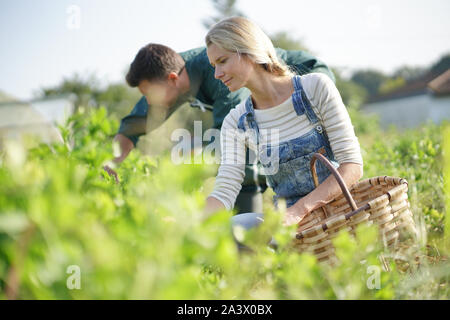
(240,35)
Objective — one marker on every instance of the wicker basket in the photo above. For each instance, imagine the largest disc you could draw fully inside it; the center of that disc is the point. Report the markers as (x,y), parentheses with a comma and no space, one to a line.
(382,201)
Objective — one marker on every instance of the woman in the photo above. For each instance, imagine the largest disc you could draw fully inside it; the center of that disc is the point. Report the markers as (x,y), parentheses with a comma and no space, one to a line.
(306,112)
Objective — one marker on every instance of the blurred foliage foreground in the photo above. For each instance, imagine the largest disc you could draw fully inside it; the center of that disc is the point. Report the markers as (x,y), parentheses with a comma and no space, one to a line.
(68,231)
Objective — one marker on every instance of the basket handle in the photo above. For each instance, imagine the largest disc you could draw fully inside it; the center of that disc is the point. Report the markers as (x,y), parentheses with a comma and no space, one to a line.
(336,174)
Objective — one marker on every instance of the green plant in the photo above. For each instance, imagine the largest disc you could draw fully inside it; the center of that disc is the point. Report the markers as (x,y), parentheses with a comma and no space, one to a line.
(144,238)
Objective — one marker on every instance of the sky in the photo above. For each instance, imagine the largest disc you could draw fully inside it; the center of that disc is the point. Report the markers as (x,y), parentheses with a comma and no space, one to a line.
(45,41)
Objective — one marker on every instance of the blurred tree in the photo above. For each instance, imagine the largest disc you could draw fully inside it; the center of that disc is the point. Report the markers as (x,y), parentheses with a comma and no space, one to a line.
(353,94)
(391,84)
(369,79)
(442,65)
(409,73)
(284,40)
(227,8)
(224,9)
(119,99)
(86,90)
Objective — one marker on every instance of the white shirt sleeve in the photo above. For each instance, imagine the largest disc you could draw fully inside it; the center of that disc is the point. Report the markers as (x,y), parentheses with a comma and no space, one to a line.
(232,165)
(328,106)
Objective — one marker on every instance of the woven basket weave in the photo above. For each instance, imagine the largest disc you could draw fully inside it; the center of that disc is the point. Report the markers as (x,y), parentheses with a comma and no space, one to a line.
(382,201)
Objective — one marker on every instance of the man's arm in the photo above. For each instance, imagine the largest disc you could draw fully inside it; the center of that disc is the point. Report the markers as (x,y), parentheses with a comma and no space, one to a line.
(137,123)
(131,128)
(134,125)
(125,145)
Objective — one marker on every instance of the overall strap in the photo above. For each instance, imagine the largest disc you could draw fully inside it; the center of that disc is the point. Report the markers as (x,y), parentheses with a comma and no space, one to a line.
(249,117)
(301,103)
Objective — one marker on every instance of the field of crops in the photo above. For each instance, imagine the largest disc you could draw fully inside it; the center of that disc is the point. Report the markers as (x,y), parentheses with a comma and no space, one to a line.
(69,231)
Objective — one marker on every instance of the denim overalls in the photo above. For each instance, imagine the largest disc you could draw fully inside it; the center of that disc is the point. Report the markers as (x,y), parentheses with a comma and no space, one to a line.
(292,178)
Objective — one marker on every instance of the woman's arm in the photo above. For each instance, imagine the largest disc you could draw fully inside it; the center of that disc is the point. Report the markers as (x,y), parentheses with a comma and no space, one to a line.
(343,142)
(324,193)
(232,166)
(212,205)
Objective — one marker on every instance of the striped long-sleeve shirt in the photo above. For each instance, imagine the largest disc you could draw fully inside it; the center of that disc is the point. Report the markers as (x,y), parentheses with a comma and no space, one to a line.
(328,106)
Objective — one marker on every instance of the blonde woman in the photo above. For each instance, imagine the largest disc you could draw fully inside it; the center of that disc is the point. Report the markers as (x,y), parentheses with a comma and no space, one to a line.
(287,118)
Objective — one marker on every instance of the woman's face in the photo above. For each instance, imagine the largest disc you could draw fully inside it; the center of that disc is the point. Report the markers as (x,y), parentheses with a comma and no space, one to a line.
(232,69)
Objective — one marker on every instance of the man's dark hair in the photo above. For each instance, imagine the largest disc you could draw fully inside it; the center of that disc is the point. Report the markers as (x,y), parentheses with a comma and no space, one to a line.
(153,62)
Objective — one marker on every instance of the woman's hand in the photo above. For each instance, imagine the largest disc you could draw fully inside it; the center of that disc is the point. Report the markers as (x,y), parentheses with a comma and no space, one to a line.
(295,214)
(323,194)
(212,205)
